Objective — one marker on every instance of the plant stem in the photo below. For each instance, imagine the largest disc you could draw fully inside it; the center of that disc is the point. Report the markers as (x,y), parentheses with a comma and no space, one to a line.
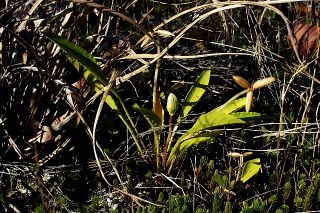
(39,179)
(156,107)
(165,148)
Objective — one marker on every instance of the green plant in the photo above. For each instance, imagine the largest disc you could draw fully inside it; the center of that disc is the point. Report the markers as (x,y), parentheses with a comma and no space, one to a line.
(199,133)
(219,117)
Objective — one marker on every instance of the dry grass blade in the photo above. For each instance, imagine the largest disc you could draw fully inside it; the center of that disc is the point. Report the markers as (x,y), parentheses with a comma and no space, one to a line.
(104,96)
(22,25)
(134,197)
(23,43)
(175,40)
(184,57)
(126,18)
(221,7)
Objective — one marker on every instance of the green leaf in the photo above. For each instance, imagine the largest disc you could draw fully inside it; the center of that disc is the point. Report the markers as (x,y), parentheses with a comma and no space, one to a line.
(247,115)
(152,118)
(195,140)
(250,169)
(195,93)
(219,180)
(210,120)
(199,138)
(218,117)
(232,106)
(207,121)
(81,55)
(112,104)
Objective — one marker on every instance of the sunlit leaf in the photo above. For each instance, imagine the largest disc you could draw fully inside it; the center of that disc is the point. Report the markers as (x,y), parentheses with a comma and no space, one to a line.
(200,138)
(211,120)
(111,102)
(195,140)
(207,121)
(250,169)
(195,93)
(232,106)
(247,115)
(216,118)
(78,53)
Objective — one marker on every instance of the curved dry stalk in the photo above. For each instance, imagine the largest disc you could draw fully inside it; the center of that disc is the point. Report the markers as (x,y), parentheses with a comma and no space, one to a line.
(134,197)
(104,96)
(126,18)
(221,7)
(182,57)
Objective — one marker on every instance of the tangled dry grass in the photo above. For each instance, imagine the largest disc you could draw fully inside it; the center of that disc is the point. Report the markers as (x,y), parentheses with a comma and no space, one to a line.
(49,117)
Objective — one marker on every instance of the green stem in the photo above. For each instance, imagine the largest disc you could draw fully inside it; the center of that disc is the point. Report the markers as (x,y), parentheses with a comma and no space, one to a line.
(165,148)
(157,133)
(133,130)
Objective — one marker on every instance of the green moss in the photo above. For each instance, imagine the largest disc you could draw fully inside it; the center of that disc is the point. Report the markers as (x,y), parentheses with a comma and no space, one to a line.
(298,201)
(228,207)
(216,203)
(286,191)
(160,197)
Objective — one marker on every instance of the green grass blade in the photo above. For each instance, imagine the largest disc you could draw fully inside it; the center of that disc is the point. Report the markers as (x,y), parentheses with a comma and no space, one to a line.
(78,53)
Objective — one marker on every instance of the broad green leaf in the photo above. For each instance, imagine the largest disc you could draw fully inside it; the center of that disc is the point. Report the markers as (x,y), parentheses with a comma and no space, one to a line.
(195,140)
(81,55)
(207,121)
(210,120)
(250,169)
(247,115)
(150,116)
(232,106)
(93,82)
(213,119)
(220,180)
(199,138)
(195,93)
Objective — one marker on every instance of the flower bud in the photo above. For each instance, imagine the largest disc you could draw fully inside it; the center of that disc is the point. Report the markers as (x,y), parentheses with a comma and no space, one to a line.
(172,104)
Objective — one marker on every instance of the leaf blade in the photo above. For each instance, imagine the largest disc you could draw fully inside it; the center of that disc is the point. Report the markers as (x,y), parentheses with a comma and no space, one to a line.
(195,93)
(80,54)
(250,169)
